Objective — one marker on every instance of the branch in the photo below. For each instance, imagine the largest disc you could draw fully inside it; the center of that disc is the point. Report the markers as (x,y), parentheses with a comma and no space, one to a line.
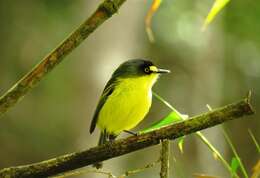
(135,171)
(165,159)
(123,146)
(84,171)
(32,78)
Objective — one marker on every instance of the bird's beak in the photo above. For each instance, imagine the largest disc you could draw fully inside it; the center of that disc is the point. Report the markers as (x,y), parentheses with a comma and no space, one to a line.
(163,71)
(154,69)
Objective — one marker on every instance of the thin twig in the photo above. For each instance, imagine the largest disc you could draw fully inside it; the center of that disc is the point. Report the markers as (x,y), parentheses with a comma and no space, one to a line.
(135,171)
(84,171)
(123,146)
(165,159)
(109,174)
(33,77)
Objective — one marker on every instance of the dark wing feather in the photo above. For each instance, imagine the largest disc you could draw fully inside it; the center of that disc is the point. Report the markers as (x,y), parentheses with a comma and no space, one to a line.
(109,88)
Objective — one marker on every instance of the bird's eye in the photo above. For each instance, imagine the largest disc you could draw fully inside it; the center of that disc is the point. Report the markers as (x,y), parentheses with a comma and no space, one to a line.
(147,70)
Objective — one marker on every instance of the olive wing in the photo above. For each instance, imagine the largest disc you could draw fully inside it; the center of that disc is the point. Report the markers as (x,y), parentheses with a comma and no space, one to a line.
(109,88)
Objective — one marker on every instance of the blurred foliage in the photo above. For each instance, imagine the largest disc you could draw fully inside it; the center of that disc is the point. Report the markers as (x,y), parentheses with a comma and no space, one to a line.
(216,8)
(256,170)
(214,67)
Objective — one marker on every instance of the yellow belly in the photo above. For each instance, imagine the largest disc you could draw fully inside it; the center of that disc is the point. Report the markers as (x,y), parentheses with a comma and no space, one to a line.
(127,105)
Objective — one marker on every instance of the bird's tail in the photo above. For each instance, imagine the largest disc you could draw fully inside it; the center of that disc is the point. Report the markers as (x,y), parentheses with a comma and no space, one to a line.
(103,138)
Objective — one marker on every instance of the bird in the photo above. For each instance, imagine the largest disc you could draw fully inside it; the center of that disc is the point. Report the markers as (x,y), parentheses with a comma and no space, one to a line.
(125,100)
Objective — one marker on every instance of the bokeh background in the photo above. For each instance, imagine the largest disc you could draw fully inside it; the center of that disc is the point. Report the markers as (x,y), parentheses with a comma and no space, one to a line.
(214,67)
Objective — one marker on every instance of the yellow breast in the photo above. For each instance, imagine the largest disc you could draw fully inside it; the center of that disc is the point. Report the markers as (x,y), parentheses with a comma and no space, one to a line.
(127,105)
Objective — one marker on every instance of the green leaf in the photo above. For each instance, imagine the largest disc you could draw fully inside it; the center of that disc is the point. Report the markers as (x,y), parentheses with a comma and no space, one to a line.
(216,8)
(180,143)
(171,118)
(234,165)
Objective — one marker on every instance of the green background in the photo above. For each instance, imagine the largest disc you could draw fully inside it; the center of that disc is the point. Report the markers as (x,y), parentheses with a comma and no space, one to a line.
(214,67)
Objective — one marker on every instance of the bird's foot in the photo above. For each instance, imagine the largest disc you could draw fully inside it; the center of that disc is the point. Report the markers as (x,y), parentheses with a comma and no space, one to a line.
(111,138)
(131,133)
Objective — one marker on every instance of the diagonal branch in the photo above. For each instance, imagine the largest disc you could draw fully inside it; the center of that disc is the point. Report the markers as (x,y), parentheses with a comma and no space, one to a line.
(32,78)
(123,146)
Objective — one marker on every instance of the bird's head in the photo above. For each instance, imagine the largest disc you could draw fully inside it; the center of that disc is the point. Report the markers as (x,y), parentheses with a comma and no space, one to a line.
(138,68)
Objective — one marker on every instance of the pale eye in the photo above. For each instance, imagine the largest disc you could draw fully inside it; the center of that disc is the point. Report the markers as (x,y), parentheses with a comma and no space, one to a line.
(147,70)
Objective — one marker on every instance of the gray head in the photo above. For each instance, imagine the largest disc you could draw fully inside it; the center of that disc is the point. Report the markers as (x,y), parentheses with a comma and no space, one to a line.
(137,68)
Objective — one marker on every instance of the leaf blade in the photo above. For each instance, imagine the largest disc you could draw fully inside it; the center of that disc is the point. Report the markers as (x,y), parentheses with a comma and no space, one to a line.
(215,9)
(234,165)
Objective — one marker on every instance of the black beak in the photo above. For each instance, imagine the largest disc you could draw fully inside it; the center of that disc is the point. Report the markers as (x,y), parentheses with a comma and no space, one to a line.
(163,71)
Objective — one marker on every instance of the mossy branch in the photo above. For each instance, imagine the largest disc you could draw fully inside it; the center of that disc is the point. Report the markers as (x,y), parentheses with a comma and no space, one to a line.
(32,78)
(123,146)
(165,159)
